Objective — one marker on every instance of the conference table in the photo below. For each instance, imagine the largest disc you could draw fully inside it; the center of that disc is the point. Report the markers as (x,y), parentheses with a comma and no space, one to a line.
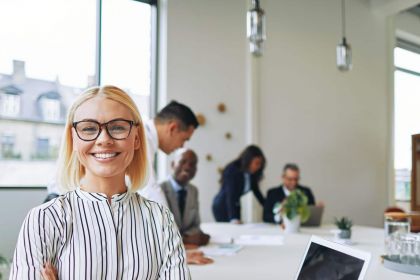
(282,261)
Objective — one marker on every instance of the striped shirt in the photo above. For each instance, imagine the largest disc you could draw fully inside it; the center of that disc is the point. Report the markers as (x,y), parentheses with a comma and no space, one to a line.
(87,237)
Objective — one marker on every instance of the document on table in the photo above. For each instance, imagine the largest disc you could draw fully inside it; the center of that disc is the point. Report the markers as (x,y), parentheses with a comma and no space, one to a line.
(221,239)
(221,249)
(259,240)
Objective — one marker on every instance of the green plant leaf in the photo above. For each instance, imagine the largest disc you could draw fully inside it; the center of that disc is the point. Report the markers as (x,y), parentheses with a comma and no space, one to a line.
(344,223)
(296,204)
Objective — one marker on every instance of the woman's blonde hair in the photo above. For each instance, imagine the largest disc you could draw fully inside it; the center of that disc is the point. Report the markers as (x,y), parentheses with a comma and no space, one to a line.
(71,171)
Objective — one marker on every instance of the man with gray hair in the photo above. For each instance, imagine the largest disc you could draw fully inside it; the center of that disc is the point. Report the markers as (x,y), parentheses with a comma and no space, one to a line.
(182,197)
(291,177)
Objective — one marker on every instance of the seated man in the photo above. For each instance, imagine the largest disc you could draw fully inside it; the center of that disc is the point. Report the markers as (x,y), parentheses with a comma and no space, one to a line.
(182,197)
(278,194)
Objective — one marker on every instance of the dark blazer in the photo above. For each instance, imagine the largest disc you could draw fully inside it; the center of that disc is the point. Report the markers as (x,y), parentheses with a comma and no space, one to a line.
(275,195)
(226,204)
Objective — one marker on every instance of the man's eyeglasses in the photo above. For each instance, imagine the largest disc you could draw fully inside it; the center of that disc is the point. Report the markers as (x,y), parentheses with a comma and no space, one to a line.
(89,130)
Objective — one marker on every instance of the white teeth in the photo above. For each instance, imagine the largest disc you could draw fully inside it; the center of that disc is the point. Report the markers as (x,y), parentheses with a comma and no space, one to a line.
(105,155)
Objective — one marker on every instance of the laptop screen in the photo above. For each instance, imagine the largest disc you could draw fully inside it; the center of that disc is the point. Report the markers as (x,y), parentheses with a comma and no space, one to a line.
(322,263)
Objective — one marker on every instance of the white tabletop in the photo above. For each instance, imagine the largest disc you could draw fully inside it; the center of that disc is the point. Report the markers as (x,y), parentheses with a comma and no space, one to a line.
(282,261)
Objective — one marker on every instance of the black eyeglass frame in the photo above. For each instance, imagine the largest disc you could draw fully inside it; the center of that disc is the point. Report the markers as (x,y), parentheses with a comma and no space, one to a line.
(132,123)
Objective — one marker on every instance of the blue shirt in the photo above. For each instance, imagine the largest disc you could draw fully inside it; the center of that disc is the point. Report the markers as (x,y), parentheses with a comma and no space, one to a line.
(247,186)
(177,187)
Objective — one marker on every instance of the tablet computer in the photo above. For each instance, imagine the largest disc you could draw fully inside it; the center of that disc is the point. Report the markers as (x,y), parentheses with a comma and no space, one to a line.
(324,259)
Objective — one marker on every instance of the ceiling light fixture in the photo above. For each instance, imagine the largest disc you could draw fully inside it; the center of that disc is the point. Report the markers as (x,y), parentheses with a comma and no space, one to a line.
(343,49)
(255,22)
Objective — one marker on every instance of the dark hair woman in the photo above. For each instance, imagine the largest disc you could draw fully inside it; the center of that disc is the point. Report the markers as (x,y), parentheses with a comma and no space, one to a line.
(238,177)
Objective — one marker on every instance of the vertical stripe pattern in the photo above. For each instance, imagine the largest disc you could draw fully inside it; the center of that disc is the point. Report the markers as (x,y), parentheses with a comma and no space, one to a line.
(87,237)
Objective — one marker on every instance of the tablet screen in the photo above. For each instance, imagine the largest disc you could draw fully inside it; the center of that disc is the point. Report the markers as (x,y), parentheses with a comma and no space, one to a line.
(325,263)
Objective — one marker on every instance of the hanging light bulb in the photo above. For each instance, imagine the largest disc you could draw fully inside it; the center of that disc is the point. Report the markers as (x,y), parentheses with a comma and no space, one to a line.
(255,33)
(343,48)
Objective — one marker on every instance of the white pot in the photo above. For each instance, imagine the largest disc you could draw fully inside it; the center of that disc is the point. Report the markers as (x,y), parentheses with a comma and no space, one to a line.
(291,226)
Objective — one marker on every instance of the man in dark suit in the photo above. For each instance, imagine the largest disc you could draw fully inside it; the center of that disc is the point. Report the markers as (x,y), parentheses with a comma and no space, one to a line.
(278,194)
(182,197)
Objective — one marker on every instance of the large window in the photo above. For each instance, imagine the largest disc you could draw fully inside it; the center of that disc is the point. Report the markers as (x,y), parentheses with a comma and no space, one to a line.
(125,59)
(51,51)
(407,113)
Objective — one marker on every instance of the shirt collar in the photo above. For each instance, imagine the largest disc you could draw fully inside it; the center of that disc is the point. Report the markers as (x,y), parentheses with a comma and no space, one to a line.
(152,133)
(286,191)
(177,187)
(91,196)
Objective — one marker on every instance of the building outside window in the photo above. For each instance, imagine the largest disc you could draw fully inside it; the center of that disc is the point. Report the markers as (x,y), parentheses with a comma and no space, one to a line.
(42,148)
(51,109)
(10,105)
(7,147)
(42,72)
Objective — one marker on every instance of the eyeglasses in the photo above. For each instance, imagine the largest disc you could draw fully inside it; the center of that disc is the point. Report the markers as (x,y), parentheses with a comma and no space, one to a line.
(89,130)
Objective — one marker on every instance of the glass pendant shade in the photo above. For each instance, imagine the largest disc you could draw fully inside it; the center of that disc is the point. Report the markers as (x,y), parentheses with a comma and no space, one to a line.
(344,49)
(344,56)
(255,28)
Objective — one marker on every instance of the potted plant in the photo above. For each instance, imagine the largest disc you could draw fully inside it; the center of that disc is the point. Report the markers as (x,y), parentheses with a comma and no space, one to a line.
(344,225)
(292,211)
(4,265)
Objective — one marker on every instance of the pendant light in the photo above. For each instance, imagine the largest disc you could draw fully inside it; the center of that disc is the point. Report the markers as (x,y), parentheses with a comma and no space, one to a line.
(255,22)
(343,48)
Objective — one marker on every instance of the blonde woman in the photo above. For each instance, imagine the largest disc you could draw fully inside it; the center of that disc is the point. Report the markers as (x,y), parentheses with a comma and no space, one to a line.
(101,229)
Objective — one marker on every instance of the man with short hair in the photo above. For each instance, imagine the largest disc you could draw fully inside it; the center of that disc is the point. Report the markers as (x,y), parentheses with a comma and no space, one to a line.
(168,131)
(182,197)
(290,178)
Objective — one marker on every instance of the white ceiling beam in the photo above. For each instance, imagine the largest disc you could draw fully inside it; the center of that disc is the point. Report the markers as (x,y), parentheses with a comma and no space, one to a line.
(391,7)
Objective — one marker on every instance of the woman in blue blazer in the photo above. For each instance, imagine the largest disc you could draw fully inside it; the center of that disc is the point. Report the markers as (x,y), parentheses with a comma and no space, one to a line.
(238,177)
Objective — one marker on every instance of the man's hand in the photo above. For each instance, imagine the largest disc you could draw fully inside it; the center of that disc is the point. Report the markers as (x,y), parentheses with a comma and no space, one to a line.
(197,257)
(49,272)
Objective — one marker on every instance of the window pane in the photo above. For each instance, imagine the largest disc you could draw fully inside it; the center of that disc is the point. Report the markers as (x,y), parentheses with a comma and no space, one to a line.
(126,49)
(407,59)
(407,114)
(47,57)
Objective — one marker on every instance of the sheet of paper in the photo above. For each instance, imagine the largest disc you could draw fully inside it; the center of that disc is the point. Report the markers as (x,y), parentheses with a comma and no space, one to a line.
(221,239)
(221,249)
(259,240)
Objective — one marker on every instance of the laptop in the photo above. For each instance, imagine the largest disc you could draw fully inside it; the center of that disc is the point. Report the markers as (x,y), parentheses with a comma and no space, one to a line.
(316,216)
(325,259)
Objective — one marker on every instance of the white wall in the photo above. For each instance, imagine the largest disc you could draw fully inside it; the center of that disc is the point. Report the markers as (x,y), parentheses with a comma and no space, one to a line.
(14,206)
(336,126)
(205,66)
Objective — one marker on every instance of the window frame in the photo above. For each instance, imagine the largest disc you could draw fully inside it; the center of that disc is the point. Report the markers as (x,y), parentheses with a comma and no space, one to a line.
(415,48)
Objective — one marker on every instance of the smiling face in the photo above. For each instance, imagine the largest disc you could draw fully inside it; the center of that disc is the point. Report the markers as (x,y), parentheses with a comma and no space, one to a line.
(104,157)
(185,167)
